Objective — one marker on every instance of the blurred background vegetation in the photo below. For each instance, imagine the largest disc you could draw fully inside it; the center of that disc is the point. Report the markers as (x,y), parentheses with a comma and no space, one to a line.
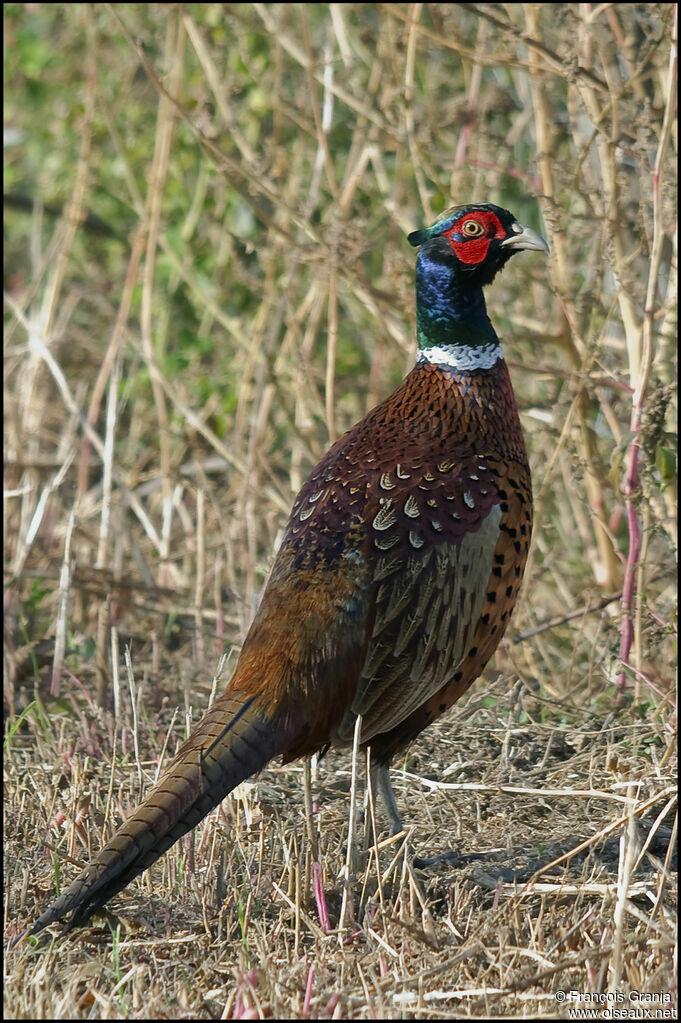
(207,280)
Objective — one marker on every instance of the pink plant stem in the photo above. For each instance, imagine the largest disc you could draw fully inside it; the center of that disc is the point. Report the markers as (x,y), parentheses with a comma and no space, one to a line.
(320,898)
(649,682)
(661,621)
(308,992)
(331,1006)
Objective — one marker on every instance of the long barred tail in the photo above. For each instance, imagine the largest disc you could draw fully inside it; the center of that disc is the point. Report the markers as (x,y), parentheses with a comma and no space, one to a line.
(233,741)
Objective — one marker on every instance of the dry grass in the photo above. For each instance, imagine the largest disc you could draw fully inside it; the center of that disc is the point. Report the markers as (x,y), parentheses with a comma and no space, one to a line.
(206,280)
(226,925)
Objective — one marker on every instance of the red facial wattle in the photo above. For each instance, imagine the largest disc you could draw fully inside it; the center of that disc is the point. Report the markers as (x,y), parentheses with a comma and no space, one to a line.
(473,250)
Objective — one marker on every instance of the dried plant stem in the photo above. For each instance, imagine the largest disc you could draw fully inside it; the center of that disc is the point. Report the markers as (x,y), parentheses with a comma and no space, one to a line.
(332,336)
(62,611)
(412,35)
(309,815)
(74,211)
(113,348)
(640,374)
(132,686)
(200,575)
(626,866)
(40,348)
(175,40)
(346,906)
(103,558)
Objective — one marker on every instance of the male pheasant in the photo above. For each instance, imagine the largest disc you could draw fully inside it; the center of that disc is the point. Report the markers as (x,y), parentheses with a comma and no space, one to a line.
(396,576)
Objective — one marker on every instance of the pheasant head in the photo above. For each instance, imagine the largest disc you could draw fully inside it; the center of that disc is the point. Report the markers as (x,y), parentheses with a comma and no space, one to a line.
(460,253)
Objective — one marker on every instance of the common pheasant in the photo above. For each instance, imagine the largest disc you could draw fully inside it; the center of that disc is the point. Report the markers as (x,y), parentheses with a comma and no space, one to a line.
(395,579)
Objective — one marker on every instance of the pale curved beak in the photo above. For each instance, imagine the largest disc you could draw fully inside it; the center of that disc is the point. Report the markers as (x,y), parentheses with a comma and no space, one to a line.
(525,238)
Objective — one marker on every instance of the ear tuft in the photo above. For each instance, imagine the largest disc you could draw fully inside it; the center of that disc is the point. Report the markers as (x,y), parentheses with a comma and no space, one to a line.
(418,237)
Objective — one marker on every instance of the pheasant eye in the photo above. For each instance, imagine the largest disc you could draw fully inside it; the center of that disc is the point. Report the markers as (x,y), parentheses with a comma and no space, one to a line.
(471,229)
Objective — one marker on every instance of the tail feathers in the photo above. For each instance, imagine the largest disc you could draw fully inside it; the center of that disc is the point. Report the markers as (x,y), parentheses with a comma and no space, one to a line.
(232,742)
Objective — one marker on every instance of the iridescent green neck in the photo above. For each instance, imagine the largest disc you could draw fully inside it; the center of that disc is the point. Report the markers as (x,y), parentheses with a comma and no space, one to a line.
(449,312)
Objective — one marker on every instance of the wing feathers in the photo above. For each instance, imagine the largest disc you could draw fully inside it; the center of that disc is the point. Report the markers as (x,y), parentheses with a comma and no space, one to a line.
(420,634)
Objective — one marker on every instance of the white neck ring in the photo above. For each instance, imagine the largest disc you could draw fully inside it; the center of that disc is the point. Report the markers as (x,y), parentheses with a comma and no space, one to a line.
(462,357)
